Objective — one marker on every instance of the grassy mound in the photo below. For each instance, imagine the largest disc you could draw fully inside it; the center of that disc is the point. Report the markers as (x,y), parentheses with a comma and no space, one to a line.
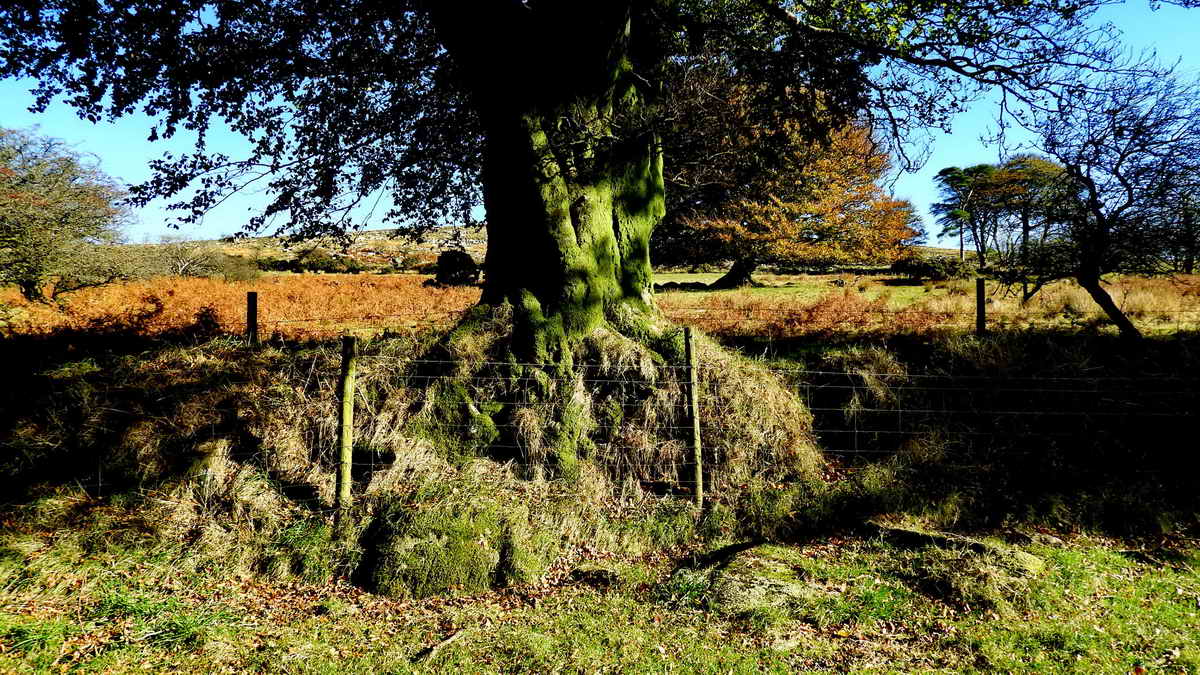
(471,471)
(618,401)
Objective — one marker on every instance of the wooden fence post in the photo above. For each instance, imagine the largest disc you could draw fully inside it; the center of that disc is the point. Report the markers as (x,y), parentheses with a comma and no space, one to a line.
(252,318)
(980,311)
(346,428)
(694,414)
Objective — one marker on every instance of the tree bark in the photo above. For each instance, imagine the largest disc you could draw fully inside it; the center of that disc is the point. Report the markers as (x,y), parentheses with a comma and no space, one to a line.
(1025,294)
(572,189)
(32,291)
(738,276)
(1091,284)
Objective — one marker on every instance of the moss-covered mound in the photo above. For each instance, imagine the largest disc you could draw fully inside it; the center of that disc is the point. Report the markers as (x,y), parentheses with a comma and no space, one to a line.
(617,400)
(471,468)
(771,586)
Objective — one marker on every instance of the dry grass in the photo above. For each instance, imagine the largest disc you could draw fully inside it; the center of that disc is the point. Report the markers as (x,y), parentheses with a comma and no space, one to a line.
(314,306)
(748,313)
(828,304)
(293,306)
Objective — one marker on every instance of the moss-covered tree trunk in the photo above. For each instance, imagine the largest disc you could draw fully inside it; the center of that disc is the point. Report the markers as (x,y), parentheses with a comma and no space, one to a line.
(572,181)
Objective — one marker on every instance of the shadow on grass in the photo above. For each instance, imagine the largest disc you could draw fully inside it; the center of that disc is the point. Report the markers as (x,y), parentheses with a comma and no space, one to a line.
(1056,429)
(112,411)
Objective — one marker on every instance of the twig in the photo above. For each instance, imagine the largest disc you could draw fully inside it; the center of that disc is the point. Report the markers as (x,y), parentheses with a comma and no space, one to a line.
(429,654)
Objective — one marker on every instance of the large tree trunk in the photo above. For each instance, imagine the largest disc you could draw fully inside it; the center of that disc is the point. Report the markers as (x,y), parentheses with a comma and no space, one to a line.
(573,185)
(567,243)
(572,189)
(738,276)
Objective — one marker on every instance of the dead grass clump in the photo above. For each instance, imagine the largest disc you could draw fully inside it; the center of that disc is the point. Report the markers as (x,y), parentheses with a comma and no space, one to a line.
(876,368)
(752,424)
(983,577)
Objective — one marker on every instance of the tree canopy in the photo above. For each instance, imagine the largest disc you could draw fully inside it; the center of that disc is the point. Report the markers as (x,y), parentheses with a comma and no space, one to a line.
(343,100)
(998,207)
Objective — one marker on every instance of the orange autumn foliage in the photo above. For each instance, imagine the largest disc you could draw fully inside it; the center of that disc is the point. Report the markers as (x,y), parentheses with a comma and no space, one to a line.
(828,209)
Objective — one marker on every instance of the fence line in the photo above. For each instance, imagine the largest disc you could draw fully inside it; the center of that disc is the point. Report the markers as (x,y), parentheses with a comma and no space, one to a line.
(864,423)
(864,435)
(946,317)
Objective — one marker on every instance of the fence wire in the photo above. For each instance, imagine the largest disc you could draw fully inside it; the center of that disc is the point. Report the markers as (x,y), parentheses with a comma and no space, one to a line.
(855,413)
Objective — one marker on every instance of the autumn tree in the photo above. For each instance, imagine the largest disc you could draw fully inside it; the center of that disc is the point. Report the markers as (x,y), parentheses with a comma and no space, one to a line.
(821,205)
(59,219)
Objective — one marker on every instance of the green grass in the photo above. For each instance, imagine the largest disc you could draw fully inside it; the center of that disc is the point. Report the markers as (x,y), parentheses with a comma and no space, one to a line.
(1096,607)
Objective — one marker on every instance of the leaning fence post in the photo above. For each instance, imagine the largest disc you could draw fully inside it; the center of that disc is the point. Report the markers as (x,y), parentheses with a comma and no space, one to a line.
(980,312)
(694,414)
(252,318)
(345,427)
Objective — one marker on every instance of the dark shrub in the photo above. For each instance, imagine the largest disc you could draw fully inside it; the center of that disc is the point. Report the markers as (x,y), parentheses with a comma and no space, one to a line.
(456,268)
(237,268)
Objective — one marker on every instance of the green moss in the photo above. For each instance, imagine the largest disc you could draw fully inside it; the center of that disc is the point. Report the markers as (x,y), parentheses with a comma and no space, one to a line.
(525,554)
(536,337)
(455,422)
(433,549)
(570,439)
(610,413)
(633,320)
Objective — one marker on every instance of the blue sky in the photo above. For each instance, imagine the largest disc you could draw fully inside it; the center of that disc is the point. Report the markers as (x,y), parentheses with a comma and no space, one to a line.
(1173,32)
(124,152)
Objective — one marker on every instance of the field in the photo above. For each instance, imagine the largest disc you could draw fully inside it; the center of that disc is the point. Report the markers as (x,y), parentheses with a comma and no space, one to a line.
(1098,608)
(1010,503)
(292,306)
(305,306)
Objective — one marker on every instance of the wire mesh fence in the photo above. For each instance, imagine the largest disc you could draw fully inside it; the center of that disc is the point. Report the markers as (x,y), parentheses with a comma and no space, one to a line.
(857,415)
